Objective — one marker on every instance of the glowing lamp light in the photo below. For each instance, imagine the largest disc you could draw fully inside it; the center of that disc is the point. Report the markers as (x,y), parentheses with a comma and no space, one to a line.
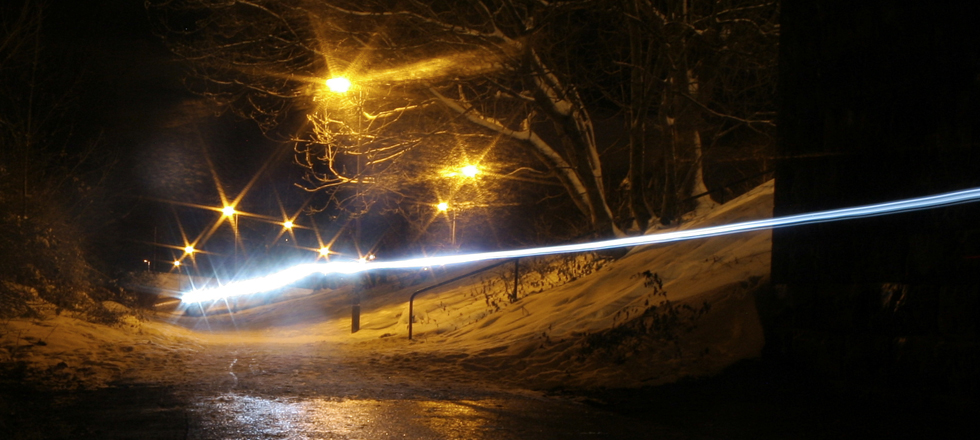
(176,263)
(228,211)
(442,206)
(189,250)
(287,224)
(470,170)
(324,251)
(339,84)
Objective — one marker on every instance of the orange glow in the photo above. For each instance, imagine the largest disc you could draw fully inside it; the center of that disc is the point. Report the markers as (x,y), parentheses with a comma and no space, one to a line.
(339,84)
(287,224)
(189,250)
(228,211)
(442,206)
(324,251)
(470,170)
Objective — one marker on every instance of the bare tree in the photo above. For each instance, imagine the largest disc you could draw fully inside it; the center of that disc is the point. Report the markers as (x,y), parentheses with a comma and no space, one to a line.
(425,72)
(696,69)
(475,62)
(52,180)
(20,120)
(38,103)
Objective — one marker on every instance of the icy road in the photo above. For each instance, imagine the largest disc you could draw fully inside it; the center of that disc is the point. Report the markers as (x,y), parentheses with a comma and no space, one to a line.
(304,392)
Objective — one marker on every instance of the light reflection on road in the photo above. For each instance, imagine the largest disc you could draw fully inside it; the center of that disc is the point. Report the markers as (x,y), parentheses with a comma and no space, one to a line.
(233,415)
(277,393)
(454,420)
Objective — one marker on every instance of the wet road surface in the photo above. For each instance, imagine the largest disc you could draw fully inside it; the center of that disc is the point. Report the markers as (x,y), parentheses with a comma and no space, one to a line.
(266,393)
(262,394)
(159,413)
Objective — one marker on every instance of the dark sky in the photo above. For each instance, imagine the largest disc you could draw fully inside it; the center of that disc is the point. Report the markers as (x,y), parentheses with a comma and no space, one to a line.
(132,98)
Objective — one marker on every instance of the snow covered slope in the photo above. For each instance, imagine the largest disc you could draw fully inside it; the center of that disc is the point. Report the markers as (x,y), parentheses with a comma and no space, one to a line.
(657,314)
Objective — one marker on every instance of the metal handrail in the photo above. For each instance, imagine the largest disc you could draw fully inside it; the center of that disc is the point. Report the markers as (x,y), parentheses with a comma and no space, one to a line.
(411,299)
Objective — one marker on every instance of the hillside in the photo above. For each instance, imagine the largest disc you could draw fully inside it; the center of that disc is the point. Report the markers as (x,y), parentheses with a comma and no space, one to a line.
(655,315)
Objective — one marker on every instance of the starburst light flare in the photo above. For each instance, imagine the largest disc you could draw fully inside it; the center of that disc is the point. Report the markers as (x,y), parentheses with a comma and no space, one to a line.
(295,273)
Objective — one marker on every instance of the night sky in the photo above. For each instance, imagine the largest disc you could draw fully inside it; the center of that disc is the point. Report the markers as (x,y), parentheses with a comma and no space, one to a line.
(159,135)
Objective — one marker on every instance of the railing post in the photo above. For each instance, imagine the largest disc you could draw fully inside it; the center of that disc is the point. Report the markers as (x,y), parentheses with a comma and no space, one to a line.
(355,307)
(517,276)
(411,315)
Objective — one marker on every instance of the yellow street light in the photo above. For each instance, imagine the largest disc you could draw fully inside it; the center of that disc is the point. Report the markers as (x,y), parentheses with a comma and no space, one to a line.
(339,84)
(189,249)
(442,206)
(287,224)
(470,170)
(176,263)
(324,251)
(228,211)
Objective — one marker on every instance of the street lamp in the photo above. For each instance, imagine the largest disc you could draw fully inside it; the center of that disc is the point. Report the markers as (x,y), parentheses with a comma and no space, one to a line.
(465,171)
(189,249)
(470,170)
(339,84)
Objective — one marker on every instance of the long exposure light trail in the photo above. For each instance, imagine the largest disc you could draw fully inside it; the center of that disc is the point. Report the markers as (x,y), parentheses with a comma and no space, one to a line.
(298,272)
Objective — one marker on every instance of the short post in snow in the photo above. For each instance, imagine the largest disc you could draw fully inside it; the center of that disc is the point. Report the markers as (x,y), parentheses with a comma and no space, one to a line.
(355,310)
(517,276)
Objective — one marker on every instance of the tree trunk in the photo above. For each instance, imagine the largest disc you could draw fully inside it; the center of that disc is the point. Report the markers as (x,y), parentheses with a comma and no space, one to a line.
(686,142)
(583,155)
(564,107)
(690,135)
(637,111)
(669,208)
(635,189)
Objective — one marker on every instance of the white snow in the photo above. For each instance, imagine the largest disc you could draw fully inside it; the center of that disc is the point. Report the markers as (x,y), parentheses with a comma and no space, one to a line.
(575,325)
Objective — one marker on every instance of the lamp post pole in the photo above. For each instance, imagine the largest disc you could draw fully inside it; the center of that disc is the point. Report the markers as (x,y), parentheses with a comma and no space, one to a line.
(230,212)
(360,172)
(343,85)
(355,323)
(234,222)
(452,213)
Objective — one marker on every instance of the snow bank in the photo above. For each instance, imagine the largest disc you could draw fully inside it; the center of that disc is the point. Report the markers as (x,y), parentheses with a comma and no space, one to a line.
(60,351)
(657,314)
(615,327)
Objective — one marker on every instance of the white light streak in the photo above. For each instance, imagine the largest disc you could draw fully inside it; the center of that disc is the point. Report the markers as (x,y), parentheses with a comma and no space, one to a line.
(298,272)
